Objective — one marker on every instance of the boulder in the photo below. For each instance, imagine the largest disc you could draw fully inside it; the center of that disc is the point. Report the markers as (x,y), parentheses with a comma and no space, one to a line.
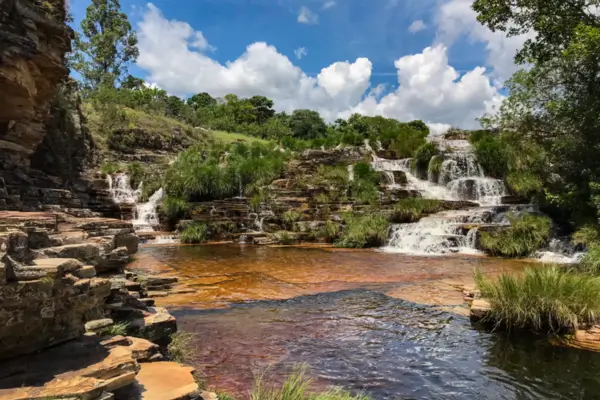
(88,253)
(129,240)
(164,380)
(156,327)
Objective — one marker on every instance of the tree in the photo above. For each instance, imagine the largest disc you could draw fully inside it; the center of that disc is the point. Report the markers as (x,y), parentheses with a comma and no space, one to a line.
(263,108)
(132,82)
(307,124)
(106,45)
(201,100)
(550,119)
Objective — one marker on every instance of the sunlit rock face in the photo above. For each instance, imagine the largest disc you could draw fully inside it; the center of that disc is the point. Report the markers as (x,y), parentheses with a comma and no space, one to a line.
(33,42)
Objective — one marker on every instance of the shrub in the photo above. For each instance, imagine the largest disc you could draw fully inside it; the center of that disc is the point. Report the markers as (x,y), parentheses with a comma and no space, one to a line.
(110,167)
(413,209)
(435,165)
(526,234)
(296,387)
(492,155)
(329,232)
(114,330)
(590,263)
(289,217)
(424,154)
(523,183)
(175,207)
(285,238)
(363,231)
(337,175)
(195,232)
(136,173)
(586,235)
(542,299)
(181,349)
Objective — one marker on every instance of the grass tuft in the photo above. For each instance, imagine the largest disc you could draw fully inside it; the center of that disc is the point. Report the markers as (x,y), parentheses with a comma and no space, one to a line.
(526,234)
(297,387)
(196,232)
(413,209)
(363,231)
(181,349)
(118,329)
(542,299)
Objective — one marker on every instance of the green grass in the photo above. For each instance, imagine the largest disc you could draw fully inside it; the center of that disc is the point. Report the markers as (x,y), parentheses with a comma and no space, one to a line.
(362,231)
(230,137)
(590,263)
(297,387)
(526,234)
(586,235)
(289,217)
(181,348)
(424,154)
(542,299)
(117,329)
(329,232)
(413,209)
(285,238)
(194,233)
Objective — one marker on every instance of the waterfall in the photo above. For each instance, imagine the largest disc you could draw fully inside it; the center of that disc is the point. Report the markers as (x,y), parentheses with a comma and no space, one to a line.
(145,213)
(121,191)
(351,172)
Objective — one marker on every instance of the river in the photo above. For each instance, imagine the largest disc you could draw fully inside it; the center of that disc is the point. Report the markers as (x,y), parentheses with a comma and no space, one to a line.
(391,325)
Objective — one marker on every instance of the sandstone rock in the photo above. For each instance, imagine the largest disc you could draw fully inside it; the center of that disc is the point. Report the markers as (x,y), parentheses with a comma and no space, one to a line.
(87,253)
(85,272)
(155,327)
(129,240)
(143,350)
(479,309)
(163,380)
(154,293)
(209,395)
(98,324)
(81,369)
(156,280)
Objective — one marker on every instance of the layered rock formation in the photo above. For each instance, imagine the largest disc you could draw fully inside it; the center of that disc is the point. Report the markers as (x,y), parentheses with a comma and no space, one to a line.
(33,42)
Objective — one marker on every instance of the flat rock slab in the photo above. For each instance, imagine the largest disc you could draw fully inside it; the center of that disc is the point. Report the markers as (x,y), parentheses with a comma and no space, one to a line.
(479,309)
(81,369)
(164,380)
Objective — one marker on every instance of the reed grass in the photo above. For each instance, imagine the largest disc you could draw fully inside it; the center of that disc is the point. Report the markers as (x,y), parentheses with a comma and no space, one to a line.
(526,234)
(194,233)
(543,299)
(181,349)
(363,231)
(413,209)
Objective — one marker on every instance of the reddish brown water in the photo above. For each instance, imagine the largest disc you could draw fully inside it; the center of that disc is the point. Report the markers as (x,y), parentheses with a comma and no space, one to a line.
(351,315)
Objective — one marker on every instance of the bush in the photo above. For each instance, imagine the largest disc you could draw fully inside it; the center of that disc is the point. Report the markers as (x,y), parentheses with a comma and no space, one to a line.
(363,231)
(586,235)
(590,263)
(195,232)
(296,387)
(175,207)
(523,183)
(526,234)
(289,217)
(110,167)
(413,209)
(492,155)
(329,232)
(543,299)
(424,154)
(181,349)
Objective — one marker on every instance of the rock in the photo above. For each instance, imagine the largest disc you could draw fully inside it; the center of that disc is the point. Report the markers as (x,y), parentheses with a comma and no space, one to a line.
(129,240)
(81,369)
(156,280)
(147,302)
(209,395)
(142,349)
(154,293)
(115,260)
(155,327)
(85,272)
(164,380)
(513,200)
(98,324)
(87,253)
(479,309)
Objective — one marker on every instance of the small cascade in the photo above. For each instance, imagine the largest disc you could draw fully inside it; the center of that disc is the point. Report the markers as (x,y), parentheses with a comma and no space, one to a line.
(121,191)
(559,251)
(146,217)
(351,173)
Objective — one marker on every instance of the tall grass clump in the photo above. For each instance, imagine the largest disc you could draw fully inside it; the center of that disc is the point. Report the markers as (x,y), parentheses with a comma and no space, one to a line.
(363,231)
(175,207)
(542,299)
(424,154)
(117,329)
(181,349)
(413,209)
(193,233)
(526,234)
(365,188)
(297,387)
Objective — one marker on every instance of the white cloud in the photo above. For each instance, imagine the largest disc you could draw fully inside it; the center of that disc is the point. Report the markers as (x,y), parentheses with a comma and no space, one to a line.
(329,4)
(428,88)
(307,17)
(417,26)
(456,18)
(301,52)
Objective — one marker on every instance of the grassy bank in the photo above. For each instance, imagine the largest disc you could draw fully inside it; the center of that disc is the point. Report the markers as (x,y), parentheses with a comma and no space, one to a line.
(413,209)
(526,234)
(362,231)
(543,299)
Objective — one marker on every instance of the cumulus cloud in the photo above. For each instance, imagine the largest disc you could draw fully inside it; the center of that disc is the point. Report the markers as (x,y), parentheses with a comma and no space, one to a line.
(428,87)
(301,52)
(307,17)
(455,18)
(417,26)
(329,4)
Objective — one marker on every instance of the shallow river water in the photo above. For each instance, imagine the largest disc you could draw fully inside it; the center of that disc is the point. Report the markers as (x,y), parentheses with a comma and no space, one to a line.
(346,314)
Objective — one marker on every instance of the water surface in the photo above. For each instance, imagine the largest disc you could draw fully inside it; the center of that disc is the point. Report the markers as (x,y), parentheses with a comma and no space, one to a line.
(345,314)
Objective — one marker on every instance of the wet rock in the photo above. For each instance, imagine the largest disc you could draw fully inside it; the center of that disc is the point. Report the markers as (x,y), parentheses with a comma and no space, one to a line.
(479,309)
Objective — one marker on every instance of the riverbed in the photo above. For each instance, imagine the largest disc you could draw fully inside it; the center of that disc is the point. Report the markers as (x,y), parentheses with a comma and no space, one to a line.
(391,325)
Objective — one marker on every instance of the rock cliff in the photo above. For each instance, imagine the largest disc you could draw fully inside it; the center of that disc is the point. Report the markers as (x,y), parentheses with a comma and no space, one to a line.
(33,42)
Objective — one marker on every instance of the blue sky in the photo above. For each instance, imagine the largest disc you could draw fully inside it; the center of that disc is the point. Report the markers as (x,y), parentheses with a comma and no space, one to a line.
(340,31)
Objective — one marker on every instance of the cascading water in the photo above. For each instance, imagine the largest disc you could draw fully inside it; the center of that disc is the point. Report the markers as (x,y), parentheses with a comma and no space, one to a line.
(458,176)
(351,172)
(145,213)
(145,217)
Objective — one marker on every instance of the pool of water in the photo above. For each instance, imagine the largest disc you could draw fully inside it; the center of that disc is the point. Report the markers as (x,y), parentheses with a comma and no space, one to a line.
(346,315)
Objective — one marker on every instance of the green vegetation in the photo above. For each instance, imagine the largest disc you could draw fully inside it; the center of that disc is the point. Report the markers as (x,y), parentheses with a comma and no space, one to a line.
(362,231)
(329,232)
(230,137)
(413,209)
(526,234)
(424,154)
(296,387)
(289,217)
(543,299)
(117,329)
(194,233)
(285,238)
(175,207)
(182,349)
